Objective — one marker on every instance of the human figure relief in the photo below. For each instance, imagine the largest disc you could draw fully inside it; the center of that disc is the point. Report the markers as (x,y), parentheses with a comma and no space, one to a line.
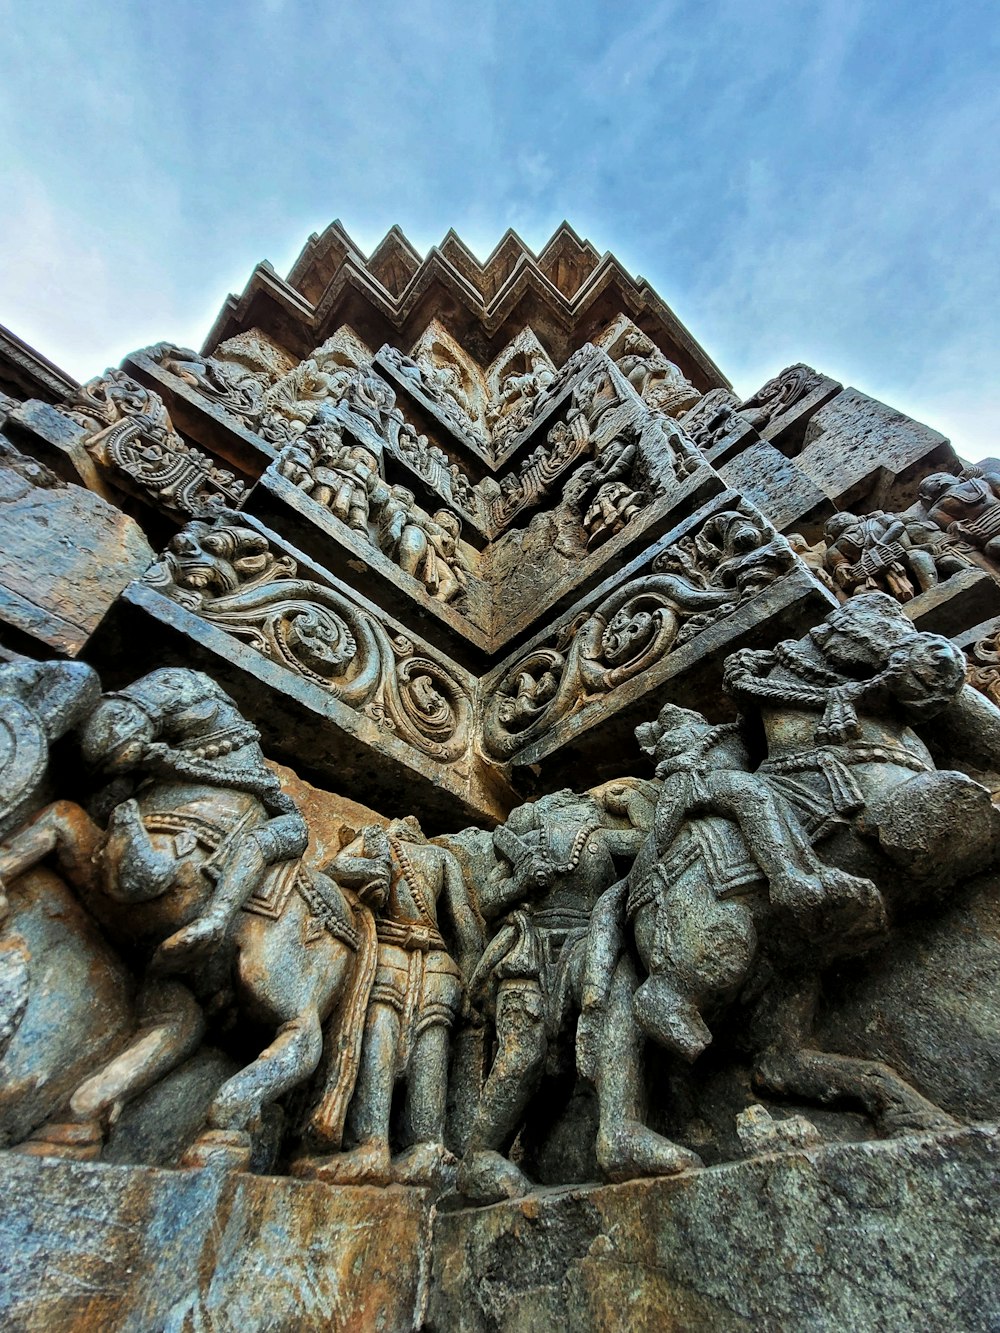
(207,831)
(415,999)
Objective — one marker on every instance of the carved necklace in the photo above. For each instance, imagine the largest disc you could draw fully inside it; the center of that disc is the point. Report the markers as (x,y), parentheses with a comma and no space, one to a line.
(214,744)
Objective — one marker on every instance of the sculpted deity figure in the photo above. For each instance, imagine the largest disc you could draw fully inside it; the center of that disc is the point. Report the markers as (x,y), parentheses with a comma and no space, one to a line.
(966,507)
(415,999)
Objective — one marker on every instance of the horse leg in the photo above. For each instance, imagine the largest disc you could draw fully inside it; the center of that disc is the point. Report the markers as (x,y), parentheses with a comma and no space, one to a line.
(170,1027)
(788,1066)
(486,1175)
(63,828)
(626,1147)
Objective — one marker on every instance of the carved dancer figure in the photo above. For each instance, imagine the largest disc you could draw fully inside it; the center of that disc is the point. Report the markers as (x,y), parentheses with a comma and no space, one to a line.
(415,999)
(206,830)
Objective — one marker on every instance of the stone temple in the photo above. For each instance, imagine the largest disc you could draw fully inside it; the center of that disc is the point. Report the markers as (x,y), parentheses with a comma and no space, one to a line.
(496,832)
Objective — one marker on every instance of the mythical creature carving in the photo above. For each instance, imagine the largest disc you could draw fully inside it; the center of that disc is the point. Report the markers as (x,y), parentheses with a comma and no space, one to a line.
(131,433)
(230,384)
(205,832)
(779,394)
(806,858)
(694,583)
(228,575)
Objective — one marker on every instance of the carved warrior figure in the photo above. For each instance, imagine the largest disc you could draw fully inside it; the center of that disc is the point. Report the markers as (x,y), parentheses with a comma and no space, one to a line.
(519,396)
(415,999)
(528,981)
(966,507)
(208,831)
(876,552)
(692,585)
(228,575)
(729,858)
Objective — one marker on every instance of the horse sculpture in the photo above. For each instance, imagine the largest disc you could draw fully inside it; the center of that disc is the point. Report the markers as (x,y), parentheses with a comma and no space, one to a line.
(200,874)
(753,880)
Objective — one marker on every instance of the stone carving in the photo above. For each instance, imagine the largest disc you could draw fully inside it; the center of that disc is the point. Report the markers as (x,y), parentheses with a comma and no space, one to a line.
(966,507)
(444,384)
(206,832)
(983,670)
(656,380)
(131,433)
(878,552)
(433,463)
(692,584)
(339,475)
(712,418)
(230,384)
(517,382)
(765,861)
(345,478)
(779,394)
(553,860)
(415,998)
(228,575)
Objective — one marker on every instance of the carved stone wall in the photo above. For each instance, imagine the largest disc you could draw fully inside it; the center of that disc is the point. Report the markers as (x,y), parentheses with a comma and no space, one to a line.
(452,746)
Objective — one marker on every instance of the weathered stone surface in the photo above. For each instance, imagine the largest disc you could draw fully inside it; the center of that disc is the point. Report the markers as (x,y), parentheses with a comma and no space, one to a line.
(874,1237)
(858,450)
(67,1001)
(131,1248)
(778,487)
(67,554)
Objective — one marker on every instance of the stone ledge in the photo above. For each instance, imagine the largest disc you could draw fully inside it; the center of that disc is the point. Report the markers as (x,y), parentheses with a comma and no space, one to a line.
(890,1235)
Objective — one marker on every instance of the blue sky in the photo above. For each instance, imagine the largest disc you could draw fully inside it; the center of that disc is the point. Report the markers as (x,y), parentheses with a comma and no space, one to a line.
(816,182)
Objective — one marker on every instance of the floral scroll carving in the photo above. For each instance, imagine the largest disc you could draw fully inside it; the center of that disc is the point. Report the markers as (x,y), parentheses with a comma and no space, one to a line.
(693,584)
(228,575)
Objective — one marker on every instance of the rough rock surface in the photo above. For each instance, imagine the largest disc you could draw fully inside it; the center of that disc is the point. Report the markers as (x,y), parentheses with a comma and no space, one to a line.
(892,1235)
(133,1248)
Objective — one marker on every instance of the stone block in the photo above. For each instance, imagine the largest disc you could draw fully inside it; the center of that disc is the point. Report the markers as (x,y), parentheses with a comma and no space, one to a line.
(786,430)
(67,554)
(873,1237)
(779,488)
(56,440)
(966,598)
(136,1248)
(859,451)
